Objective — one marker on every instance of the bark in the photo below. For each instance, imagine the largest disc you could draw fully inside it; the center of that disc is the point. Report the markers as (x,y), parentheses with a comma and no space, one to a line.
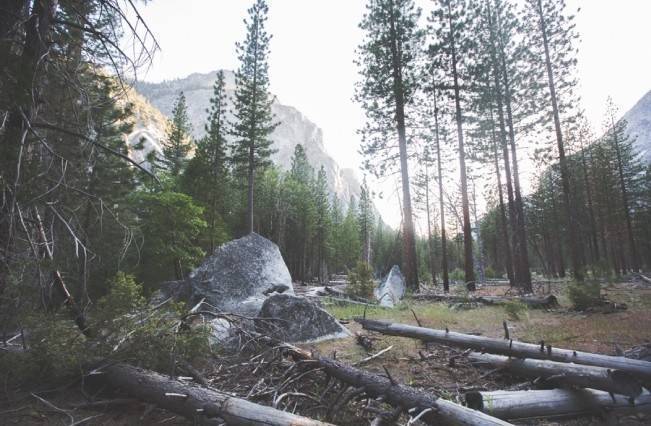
(444,243)
(467,230)
(408,398)
(430,248)
(561,374)
(197,403)
(554,403)
(638,368)
(508,258)
(573,237)
(409,241)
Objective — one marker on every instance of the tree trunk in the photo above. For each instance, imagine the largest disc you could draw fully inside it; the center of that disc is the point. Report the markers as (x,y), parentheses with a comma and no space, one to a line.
(533,302)
(562,374)
(520,225)
(430,248)
(508,259)
(625,207)
(531,404)
(437,410)
(573,237)
(198,404)
(588,189)
(409,241)
(637,368)
(467,230)
(444,243)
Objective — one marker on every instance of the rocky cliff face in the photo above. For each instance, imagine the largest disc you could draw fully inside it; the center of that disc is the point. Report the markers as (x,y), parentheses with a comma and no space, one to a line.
(294,127)
(639,125)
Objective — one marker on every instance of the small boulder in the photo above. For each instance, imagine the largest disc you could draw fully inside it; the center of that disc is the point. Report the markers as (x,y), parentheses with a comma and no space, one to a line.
(239,276)
(296,319)
(392,288)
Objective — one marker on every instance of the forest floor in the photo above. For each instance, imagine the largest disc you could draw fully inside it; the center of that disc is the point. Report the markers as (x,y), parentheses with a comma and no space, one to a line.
(409,361)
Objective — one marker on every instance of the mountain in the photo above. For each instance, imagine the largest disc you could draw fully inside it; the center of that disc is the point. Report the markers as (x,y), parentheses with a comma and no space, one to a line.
(639,125)
(294,127)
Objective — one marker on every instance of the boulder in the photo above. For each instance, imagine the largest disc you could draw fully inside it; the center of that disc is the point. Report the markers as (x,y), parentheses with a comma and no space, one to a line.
(392,288)
(240,275)
(296,319)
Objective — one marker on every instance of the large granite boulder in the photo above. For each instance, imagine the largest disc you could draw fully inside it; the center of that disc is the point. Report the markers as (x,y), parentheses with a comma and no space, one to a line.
(297,319)
(392,288)
(240,275)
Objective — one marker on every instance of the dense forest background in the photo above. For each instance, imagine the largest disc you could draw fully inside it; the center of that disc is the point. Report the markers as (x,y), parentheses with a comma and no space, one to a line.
(77,209)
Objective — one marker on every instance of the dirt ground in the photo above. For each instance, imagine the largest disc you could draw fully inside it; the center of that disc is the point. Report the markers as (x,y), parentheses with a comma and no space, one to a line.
(408,361)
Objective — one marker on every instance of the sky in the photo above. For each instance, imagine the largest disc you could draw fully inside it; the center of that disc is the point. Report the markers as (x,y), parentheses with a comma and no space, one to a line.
(313,47)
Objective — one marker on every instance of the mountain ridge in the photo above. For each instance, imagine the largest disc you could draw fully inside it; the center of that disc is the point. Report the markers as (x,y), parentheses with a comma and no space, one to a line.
(294,127)
(639,125)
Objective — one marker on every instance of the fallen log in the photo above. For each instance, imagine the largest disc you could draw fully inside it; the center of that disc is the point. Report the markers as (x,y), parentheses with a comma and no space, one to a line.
(637,368)
(554,403)
(197,403)
(430,408)
(534,302)
(645,278)
(560,374)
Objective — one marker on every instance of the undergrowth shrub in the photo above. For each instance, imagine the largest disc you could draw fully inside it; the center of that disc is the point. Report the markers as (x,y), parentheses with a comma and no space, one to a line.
(458,275)
(126,329)
(583,295)
(515,309)
(360,281)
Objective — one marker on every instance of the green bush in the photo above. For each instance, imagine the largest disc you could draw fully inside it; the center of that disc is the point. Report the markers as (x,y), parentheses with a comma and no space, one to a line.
(125,328)
(458,275)
(515,309)
(489,272)
(360,281)
(583,295)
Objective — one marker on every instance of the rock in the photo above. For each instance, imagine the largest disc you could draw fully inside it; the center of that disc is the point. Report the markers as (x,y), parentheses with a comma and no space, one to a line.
(238,277)
(296,319)
(392,289)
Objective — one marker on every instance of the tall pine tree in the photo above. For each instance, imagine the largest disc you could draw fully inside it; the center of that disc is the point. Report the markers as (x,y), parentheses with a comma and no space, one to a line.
(254,120)
(387,65)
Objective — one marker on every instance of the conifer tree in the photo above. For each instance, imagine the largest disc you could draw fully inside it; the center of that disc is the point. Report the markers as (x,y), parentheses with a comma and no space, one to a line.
(451,21)
(550,41)
(254,120)
(366,221)
(323,225)
(628,171)
(387,65)
(177,143)
(206,177)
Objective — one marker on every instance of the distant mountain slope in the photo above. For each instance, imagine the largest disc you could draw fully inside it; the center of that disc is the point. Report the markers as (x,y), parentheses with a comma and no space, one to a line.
(639,125)
(294,127)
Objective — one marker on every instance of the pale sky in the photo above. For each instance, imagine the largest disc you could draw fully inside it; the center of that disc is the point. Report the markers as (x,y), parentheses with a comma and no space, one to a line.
(313,45)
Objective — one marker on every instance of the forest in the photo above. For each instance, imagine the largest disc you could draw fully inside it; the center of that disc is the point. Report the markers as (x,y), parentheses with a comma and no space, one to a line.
(517,217)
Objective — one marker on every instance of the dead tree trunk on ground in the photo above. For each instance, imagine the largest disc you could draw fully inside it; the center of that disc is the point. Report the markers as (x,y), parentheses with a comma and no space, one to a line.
(534,302)
(563,374)
(200,404)
(554,403)
(638,368)
(430,408)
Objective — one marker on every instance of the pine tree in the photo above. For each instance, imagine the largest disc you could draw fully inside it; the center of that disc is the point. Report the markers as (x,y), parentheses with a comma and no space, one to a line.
(366,221)
(178,143)
(628,169)
(387,64)
(553,31)
(254,120)
(452,42)
(206,176)
(323,225)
